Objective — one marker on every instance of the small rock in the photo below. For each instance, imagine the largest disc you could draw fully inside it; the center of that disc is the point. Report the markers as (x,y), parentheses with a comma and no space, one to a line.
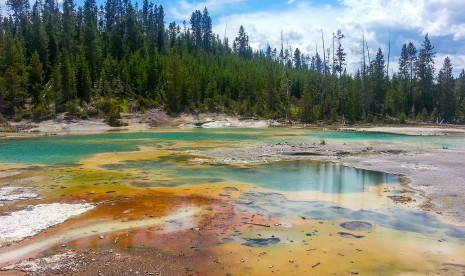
(291,261)
(354,271)
(101,237)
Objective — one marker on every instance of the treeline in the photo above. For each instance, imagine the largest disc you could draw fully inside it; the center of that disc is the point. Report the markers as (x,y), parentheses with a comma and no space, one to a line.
(99,61)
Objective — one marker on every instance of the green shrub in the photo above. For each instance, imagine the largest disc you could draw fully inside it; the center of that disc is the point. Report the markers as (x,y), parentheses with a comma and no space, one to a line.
(40,112)
(110,110)
(402,118)
(19,114)
(73,109)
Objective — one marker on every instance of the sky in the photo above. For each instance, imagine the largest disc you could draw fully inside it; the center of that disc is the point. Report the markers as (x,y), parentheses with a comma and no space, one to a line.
(301,22)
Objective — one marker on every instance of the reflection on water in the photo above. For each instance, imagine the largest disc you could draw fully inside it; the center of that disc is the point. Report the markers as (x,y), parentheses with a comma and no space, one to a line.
(277,206)
(285,176)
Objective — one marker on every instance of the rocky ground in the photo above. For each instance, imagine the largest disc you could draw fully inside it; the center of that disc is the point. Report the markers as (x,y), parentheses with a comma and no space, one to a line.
(154,118)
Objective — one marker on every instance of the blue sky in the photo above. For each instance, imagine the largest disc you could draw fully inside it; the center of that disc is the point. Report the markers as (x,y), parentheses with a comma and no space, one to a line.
(301,23)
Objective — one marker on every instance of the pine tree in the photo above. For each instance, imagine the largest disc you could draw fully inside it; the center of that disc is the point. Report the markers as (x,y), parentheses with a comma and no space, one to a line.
(196,28)
(69,26)
(51,17)
(206,30)
(425,71)
(37,38)
(378,73)
(448,102)
(36,78)
(20,14)
(84,81)
(160,23)
(297,59)
(91,39)
(68,77)
(13,76)
(242,47)
(340,59)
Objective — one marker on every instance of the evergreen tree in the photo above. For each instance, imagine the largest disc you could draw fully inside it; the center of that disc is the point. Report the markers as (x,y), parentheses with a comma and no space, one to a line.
(196,28)
(69,26)
(160,23)
(207,32)
(13,76)
(460,86)
(425,71)
(68,77)
(84,80)
(340,59)
(242,47)
(20,9)
(51,21)
(377,70)
(411,63)
(38,38)
(91,39)
(35,78)
(297,59)
(448,102)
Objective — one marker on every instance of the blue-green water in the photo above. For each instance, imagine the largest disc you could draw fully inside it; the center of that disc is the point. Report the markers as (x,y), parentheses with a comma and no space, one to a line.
(447,141)
(282,176)
(66,149)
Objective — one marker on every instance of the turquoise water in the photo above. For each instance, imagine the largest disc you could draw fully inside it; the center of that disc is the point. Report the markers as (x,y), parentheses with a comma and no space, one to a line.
(281,176)
(66,149)
(447,141)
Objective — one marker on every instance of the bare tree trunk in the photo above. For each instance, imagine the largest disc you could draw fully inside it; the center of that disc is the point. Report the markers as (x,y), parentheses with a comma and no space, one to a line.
(389,54)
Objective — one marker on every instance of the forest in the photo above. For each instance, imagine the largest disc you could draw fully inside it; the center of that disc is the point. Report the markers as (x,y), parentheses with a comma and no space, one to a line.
(95,61)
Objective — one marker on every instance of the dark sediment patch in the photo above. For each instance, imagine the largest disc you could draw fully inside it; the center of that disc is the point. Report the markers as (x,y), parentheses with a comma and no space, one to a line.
(261,242)
(302,153)
(400,199)
(357,226)
(349,235)
(452,269)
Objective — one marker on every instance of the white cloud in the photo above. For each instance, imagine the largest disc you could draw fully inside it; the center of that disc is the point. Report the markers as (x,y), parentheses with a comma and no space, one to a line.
(409,20)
